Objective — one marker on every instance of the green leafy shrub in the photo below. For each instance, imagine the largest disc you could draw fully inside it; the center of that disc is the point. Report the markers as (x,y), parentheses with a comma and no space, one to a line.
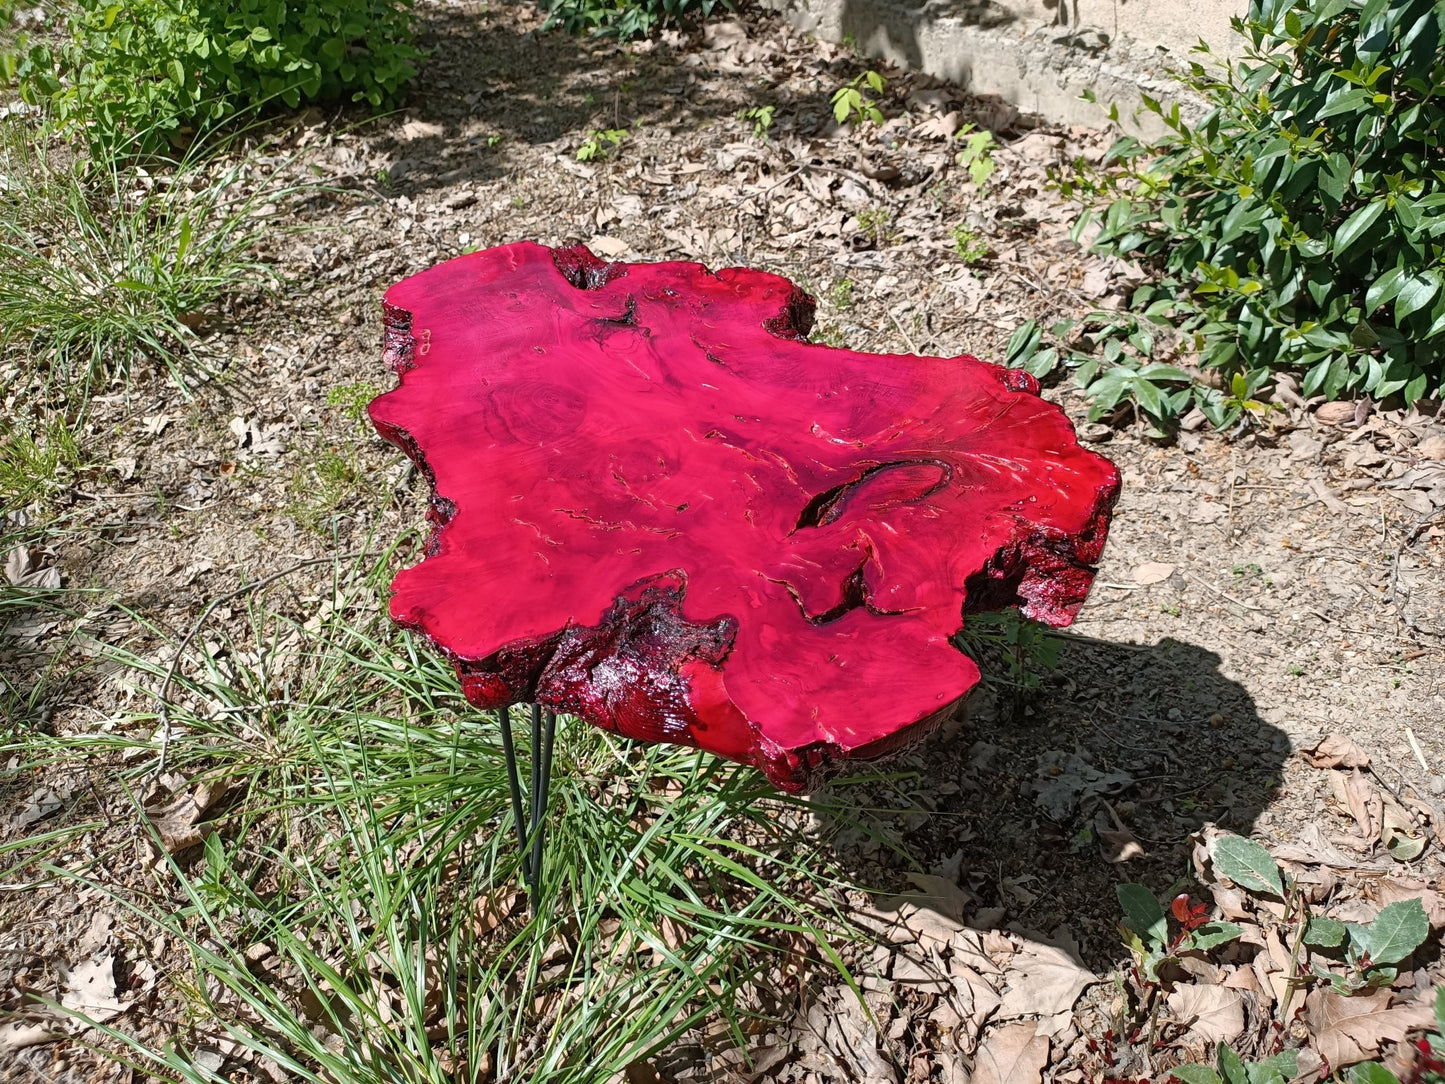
(624,19)
(171,67)
(1300,225)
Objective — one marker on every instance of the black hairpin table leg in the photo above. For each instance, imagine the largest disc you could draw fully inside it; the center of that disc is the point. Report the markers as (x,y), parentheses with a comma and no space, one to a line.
(530,831)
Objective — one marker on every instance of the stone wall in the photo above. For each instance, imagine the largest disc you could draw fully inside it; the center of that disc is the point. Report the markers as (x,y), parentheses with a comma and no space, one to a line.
(1040,55)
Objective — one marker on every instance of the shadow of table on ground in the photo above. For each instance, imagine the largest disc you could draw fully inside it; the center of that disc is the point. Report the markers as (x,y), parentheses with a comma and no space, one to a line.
(1152,742)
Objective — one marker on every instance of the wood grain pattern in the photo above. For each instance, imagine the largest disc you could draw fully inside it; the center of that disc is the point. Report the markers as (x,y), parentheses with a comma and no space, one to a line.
(658,507)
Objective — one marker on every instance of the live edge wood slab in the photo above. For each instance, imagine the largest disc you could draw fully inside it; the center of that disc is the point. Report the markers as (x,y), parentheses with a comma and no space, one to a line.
(658,507)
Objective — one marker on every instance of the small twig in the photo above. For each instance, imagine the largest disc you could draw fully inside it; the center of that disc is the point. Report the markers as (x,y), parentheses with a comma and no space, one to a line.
(1405,543)
(1229,598)
(906,337)
(163,711)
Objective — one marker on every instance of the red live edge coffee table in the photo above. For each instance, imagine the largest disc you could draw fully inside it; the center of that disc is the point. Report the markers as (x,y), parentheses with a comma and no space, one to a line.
(657,507)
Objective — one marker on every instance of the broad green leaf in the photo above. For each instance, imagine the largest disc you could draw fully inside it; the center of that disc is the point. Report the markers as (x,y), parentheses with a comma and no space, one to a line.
(1195,1074)
(1397,931)
(1372,1072)
(1231,1066)
(1023,342)
(1416,293)
(1325,933)
(1143,912)
(1285,1063)
(1357,225)
(1213,934)
(1384,289)
(1247,864)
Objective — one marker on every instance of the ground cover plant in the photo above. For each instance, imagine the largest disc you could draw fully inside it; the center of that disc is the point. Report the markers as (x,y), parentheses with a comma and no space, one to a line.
(163,71)
(106,264)
(625,19)
(1298,227)
(354,912)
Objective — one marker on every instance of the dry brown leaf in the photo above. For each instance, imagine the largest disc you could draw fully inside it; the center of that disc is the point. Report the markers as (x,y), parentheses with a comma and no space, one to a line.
(1336,413)
(1349,1030)
(928,926)
(1119,847)
(609,248)
(1231,902)
(1312,848)
(1213,1013)
(179,822)
(90,990)
(975,1000)
(1043,979)
(1012,1054)
(941,895)
(18,1034)
(1388,891)
(1337,751)
(1152,572)
(1357,794)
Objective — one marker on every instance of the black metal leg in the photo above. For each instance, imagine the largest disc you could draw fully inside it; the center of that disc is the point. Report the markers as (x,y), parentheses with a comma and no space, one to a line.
(540,794)
(530,833)
(509,751)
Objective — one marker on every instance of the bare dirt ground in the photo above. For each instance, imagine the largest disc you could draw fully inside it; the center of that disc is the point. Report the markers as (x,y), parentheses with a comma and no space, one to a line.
(1258,594)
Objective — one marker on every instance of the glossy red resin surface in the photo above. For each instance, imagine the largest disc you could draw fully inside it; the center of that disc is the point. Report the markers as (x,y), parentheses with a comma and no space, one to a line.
(658,507)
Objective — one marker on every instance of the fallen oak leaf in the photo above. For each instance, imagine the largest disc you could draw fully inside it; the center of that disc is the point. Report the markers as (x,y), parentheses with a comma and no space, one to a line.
(1349,1030)
(1213,1013)
(1337,751)
(1012,1054)
(1043,979)
(91,989)
(178,824)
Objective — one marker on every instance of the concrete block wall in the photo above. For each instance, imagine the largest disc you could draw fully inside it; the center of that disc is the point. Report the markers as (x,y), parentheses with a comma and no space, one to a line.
(1039,55)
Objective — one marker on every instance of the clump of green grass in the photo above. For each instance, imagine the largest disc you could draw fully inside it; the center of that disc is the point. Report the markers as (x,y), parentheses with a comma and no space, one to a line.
(367,844)
(105,263)
(38,457)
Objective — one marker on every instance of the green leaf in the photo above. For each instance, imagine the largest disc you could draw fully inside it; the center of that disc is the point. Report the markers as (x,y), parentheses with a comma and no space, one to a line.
(1231,1066)
(1325,932)
(1023,342)
(1416,292)
(1143,912)
(1248,865)
(1357,225)
(1372,1072)
(1384,289)
(1213,934)
(1195,1074)
(1397,931)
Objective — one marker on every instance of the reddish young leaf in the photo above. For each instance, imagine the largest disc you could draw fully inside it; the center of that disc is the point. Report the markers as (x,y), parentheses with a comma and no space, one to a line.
(657,506)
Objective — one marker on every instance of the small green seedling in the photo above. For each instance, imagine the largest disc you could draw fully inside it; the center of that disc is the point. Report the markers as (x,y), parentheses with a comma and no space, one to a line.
(977,154)
(1371,952)
(1146,928)
(968,244)
(762,118)
(873,224)
(858,101)
(600,144)
(842,294)
(353,399)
